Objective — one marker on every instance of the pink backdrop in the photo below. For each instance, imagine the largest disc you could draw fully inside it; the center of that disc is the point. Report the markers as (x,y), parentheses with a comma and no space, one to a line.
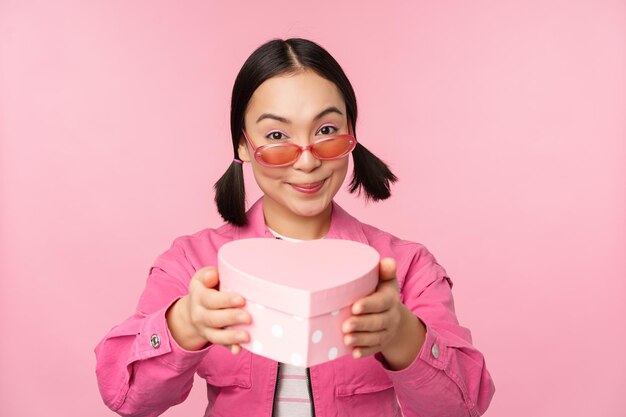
(504,121)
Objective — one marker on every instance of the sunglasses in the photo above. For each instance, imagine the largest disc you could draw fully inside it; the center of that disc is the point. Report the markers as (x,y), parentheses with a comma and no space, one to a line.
(286,153)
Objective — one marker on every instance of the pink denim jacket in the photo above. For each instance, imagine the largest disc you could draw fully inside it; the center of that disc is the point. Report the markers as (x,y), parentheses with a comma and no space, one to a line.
(142,371)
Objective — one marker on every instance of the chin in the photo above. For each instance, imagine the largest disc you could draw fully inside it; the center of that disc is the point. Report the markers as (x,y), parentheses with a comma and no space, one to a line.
(311,208)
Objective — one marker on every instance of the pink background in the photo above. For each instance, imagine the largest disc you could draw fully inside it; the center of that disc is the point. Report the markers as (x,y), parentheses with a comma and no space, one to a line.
(503,119)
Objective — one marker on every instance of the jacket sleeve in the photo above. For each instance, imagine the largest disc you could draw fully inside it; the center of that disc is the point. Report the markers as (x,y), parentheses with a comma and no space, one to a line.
(448,377)
(141,370)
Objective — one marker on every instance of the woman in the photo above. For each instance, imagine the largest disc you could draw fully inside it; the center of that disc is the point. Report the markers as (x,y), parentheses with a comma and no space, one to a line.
(293,117)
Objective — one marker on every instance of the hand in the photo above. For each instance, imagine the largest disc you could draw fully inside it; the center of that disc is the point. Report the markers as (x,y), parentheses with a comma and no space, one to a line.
(202,315)
(376,318)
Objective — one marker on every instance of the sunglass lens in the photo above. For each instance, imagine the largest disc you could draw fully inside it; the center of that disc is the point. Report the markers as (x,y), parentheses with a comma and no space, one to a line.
(279,155)
(333,148)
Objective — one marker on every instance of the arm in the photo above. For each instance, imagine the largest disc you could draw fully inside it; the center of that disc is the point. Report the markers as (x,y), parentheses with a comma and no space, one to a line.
(140,368)
(147,364)
(448,376)
(415,335)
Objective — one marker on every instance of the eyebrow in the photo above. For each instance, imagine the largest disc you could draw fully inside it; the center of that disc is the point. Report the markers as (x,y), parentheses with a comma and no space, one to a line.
(323,113)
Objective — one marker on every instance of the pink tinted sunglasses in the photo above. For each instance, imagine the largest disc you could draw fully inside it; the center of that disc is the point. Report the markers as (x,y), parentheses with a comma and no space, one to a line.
(286,153)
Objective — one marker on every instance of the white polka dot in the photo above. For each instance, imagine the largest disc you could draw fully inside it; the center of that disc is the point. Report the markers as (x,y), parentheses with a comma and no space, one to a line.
(332,353)
(334,313)
(277,330)
(260,306)
(257,347)
(296,359)
(298,318)
(317,336)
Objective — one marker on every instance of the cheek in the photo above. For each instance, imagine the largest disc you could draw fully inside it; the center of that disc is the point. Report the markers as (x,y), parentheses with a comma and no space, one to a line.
(341,169)
(263,174)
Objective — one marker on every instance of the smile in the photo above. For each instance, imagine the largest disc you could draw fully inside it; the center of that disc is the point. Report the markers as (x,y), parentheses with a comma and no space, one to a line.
(310,188)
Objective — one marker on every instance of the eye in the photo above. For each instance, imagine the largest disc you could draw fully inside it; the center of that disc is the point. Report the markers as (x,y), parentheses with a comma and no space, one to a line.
(328,130)
(275,135)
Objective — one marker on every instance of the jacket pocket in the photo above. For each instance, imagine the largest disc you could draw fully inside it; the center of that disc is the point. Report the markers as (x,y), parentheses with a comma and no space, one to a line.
(359,376)
(363,389)
(221,368)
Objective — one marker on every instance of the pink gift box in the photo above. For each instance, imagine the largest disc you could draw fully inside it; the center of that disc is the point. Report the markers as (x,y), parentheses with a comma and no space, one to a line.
(298,293)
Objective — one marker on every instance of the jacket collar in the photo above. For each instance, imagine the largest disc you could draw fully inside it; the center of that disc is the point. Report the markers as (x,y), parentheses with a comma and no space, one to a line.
(342,225)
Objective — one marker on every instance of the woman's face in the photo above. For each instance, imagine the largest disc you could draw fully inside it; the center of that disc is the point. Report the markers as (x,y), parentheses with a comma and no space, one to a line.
(299,108)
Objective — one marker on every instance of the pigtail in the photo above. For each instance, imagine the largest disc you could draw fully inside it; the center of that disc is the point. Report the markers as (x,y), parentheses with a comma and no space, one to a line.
(370,175)
(230,195)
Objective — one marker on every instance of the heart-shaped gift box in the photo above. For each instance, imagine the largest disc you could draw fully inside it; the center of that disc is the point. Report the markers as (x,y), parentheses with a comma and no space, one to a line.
(298,293)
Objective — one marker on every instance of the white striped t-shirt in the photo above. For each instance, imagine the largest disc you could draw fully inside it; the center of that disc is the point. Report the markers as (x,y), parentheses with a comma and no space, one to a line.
(292,391)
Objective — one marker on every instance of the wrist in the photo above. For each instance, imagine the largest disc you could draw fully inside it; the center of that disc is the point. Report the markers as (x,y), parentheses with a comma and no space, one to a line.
(404,347)
(181,328)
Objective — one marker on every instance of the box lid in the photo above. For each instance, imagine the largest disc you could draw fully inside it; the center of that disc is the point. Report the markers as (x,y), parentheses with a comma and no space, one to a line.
(304,279)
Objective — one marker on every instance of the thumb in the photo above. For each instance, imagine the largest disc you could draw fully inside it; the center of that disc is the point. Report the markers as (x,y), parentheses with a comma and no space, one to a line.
(387,269)
(209,277)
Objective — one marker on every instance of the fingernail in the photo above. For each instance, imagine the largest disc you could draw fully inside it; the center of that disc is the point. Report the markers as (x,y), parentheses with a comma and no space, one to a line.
(241,337)
(236,300)
(243,317)
(348,327)
(348,340)
(356,353)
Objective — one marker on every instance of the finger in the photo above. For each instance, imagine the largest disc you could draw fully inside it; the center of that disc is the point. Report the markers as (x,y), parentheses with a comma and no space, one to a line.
(234,348)
(362,352)
(387,270)
(380,301)
(214,299)
(365,339)
(366,323)
(225,317)
(226,336)
(208,276)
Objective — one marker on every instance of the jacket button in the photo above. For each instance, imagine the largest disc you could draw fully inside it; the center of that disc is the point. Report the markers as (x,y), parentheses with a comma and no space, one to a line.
(155,341)
(435,351)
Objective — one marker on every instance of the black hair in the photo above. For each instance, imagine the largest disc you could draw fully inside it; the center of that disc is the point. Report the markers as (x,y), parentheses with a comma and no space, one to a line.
(279,57)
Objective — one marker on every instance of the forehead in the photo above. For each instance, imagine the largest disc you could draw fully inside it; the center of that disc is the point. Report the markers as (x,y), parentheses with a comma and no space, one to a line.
(295,96)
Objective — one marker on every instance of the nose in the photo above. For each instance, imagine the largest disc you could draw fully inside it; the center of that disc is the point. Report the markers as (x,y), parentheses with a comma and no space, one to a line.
(306,162)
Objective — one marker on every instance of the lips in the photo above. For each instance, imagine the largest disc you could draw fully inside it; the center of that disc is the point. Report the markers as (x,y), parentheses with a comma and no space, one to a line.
(309,188)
